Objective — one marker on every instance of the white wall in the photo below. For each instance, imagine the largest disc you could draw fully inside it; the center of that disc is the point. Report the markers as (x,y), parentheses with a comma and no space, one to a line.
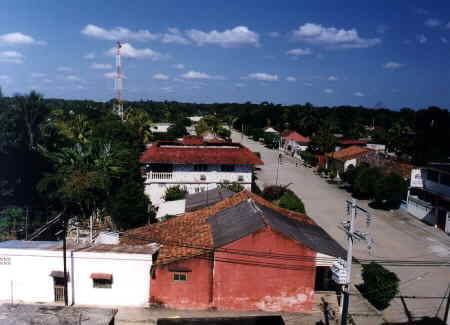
(27,278)
(131,278)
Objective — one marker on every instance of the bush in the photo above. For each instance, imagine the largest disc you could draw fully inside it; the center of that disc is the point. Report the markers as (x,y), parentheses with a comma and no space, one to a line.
(380,285)
(232,186)
(390,190)
(365,181)
(271,140)
(175,193)
(292,202)
(273,192)
(308,158)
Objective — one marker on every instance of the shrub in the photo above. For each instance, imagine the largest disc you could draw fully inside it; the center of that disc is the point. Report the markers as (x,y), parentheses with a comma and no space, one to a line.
(292,202)
(365,181)
(390,190)
(380,285)
(273,192)
(232,186)
(308,158)
(271,140)
(175,193)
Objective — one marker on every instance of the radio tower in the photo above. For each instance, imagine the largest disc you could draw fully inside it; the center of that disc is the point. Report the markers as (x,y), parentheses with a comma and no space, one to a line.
(118,106)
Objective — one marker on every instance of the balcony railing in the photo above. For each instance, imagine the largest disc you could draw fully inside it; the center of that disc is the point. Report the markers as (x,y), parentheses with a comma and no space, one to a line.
(160,175)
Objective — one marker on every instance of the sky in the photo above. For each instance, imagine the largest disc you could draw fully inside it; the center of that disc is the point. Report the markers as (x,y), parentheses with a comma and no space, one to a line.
(372,53)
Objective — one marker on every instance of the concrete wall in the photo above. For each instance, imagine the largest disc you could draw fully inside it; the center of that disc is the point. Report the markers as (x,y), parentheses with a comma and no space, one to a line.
(195,293)
(27,278)
(266,284)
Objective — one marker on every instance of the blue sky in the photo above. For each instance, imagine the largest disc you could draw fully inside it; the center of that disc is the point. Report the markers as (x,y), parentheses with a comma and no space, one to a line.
(324,52)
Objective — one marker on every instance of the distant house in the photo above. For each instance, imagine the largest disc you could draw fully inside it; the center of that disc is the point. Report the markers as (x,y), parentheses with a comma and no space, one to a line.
(386,163)
(270,129)
(293,142)
(196,166)
(238,255)
(101,274)
(195,119)
(160,127)
(429,195)
(345,143)
(342,159)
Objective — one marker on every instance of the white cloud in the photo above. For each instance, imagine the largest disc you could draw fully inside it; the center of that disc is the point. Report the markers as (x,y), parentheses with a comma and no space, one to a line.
(117,33)
(160,76)
(129,51)
(174,37)
(73,77)
(5,78)
(179,66)
(444,40)
(240,84)
(38,75)
(299,52)
(359,94)
(391,65)
(11,57)
(328,91)
(238,36)
(47,81)
(421,38)
(18,38)
(331,36)
(274,34)
(262,76)
(89,56)
(101,66)
(64,69)
(200,75)
(291,79)
(333,78)
(432,22)
(167,89)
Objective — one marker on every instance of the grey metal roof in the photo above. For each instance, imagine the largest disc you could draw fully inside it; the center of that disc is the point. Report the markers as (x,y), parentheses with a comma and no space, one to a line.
(247,217)
(235,223)
(27,244)
(203,199)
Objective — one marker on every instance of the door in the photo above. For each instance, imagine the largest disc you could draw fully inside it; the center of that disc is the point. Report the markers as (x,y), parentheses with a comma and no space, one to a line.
(58,285)
(441,218)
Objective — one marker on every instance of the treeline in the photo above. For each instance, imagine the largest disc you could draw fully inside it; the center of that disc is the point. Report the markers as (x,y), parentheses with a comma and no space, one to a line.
(78,156)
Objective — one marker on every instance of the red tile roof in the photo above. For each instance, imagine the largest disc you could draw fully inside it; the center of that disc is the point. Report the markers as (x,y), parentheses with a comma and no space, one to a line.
(349,153)
(175,153)
(297,137)
(346,142)
(190,234)
(192,140)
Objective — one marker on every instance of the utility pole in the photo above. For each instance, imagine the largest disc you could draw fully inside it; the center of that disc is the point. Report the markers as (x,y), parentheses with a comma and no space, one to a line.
(278,160)
(352,234)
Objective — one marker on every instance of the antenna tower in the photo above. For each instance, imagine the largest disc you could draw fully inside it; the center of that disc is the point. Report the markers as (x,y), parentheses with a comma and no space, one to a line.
(118,85)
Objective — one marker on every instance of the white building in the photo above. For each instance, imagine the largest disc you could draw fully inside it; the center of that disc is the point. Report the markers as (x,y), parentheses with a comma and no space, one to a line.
(160,127)
(112,275)
(429,195)
(293,142)
(195,166)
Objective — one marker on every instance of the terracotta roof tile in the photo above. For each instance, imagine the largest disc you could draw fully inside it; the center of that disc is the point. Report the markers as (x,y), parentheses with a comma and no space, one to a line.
(297,137)
(349,153)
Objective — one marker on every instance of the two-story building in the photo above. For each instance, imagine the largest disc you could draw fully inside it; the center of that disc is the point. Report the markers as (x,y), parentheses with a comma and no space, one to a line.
(429,195)
(195,165)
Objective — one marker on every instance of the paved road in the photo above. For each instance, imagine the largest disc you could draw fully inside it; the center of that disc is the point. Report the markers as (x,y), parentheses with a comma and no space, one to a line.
(396,234)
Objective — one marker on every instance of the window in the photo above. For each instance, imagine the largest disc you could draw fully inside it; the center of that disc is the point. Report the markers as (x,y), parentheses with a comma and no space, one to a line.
(240,178)
(227,168)
(200,168)
(203,177)
(179,276)
(102,283)
(432,176)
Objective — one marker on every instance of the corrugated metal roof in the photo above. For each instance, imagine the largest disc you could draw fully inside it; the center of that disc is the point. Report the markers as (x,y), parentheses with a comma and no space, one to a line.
(26,244)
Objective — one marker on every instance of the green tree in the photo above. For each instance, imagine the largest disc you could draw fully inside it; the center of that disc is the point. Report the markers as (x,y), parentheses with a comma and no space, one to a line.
(12,220)
(324,141)
(390,190)
(175,193)
(140,121)
(365,182)
(292,202)
(380,285)
(177,130)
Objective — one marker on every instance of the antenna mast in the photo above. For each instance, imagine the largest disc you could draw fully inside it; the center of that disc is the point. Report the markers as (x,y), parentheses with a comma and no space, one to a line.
(118,106)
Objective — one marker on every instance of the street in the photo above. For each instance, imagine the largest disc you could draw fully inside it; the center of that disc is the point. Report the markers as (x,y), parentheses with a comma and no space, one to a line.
(396,235)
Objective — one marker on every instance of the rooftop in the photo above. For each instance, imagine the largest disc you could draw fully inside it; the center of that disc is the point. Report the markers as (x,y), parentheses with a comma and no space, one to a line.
(176,152)
(297,137)
(349,153)
(233,218)
(199,200)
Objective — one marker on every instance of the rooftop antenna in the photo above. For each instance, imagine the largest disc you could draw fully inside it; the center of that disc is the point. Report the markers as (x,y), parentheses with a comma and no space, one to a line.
(118,85)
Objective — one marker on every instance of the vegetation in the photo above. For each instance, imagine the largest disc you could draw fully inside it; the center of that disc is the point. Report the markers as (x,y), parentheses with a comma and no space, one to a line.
(291,202)
(390,190)
(232,186)
(175,193)
(380,285)
(273,192)
(308,158)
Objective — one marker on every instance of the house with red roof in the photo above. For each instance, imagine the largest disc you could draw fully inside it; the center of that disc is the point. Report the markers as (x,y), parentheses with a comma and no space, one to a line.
(241,253)
(342,159)
(293,142)
(195,164)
